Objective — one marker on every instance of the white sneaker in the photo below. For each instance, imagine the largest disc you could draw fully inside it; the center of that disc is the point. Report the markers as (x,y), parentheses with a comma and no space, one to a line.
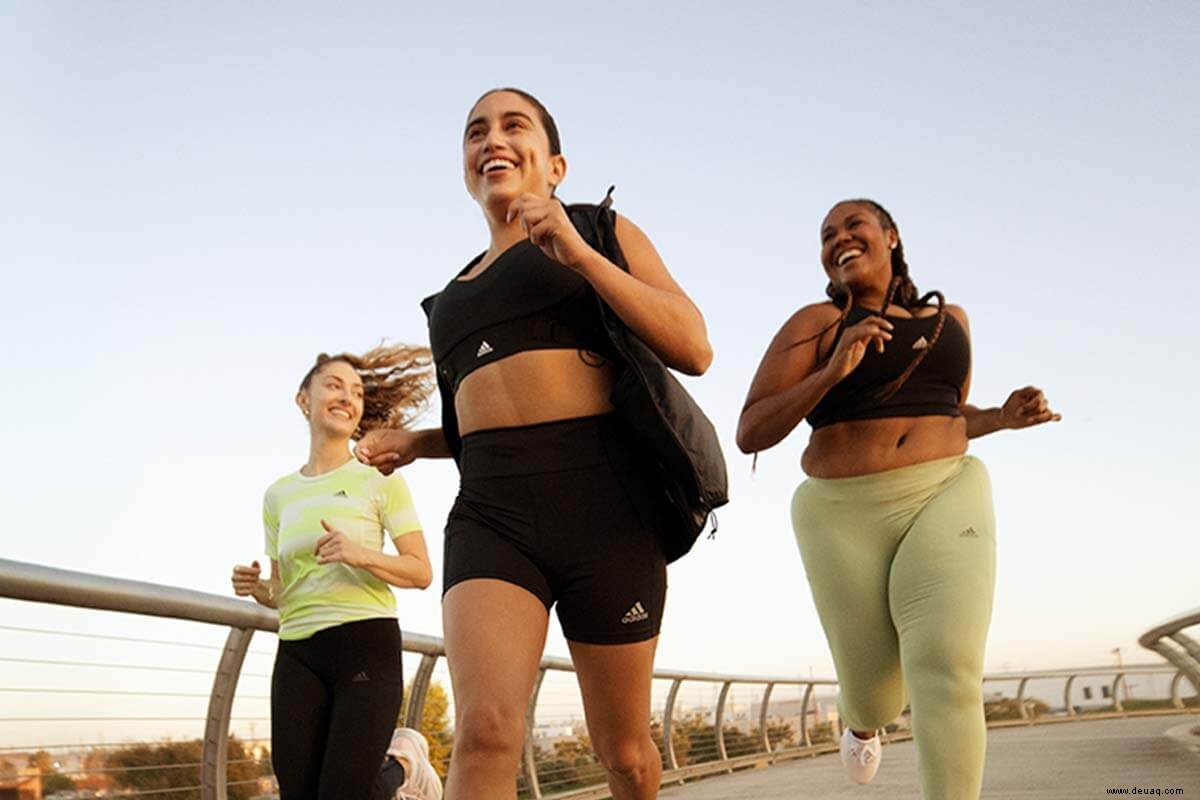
(421,781)
(860,758)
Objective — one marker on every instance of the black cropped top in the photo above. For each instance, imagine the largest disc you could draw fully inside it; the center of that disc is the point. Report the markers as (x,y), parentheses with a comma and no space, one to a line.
(934,388)
(523,301)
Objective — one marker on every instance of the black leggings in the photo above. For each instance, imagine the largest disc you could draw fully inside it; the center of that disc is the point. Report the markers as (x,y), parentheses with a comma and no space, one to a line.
(335,700)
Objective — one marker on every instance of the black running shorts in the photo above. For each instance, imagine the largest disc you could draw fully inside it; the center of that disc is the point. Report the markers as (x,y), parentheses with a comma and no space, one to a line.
(571,511)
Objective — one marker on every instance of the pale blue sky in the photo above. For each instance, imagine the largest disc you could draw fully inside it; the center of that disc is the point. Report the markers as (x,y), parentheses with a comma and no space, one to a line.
(195,200)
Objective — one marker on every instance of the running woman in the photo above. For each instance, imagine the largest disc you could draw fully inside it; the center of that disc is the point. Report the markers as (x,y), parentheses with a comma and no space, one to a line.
(895,522)
(558,503)
(337,684)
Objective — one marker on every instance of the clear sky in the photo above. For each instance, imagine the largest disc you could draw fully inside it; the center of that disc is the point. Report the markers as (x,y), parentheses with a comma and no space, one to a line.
(195,200)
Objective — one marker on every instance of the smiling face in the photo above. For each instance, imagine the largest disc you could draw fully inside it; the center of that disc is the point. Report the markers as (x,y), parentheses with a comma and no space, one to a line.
(332,400)
(507,151)
(856,248)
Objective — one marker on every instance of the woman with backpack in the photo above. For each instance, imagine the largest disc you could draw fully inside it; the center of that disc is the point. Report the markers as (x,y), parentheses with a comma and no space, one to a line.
(561,502)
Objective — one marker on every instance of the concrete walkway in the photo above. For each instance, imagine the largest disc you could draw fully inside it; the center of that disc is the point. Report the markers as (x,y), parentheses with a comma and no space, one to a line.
(1078,760)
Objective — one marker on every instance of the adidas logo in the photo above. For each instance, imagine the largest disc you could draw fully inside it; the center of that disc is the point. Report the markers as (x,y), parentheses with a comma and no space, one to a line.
(635,614)
(360,678)
(340,493)
(920,344)
(483,350)
(969,533)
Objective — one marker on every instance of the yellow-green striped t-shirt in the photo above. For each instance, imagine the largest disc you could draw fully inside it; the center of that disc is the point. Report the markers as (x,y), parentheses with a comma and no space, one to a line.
(361,503)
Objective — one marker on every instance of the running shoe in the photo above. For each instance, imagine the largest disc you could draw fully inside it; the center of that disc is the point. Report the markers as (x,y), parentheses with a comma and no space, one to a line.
(860,758)
(421,781)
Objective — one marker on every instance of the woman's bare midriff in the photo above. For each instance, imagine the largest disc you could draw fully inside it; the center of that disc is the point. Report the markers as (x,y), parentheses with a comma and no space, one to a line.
(534,386)
(863,447)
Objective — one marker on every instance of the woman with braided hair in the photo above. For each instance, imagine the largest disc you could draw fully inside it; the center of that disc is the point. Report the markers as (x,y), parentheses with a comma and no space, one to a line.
(895,522)
(337,684)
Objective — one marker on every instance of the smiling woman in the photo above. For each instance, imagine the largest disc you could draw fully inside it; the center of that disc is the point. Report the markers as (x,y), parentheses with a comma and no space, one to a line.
(336,688)
(561,504)
(895,524)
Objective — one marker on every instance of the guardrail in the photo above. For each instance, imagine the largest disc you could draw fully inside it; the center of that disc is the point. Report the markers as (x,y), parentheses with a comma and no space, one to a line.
(40,584)
(1180,650)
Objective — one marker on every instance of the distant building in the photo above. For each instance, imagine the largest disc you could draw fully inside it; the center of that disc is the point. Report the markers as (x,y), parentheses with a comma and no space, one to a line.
(24,783)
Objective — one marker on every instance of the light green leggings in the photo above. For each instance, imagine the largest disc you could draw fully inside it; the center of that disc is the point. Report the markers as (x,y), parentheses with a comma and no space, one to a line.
(902,567)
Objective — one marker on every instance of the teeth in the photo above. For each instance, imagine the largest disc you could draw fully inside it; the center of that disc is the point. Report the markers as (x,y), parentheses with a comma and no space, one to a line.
(497,163)
(340,412)
(847,255)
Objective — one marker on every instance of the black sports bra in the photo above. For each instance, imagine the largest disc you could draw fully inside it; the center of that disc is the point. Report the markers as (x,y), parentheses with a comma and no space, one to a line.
(523,301)
(933,389)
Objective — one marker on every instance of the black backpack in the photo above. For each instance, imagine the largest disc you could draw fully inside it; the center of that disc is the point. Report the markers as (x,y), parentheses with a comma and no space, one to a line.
(654,404)
(650,400)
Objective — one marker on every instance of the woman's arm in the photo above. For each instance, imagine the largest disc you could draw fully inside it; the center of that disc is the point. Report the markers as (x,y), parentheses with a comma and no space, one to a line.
(650,301)
(247,583)
(1023,408)
(388,449)
(789,383)
(409,569)
(647,298)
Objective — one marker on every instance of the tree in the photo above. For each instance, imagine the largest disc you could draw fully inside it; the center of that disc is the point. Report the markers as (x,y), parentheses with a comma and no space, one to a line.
(178,768)
(1007,708)
(52,780)
(435,724)
(572,764)
(92,776)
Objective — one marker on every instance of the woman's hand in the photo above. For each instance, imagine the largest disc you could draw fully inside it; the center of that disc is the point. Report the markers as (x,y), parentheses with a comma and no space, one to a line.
(336,547)
(246,579)
(853,345)
(545,222)
(1025,408)
(388,449)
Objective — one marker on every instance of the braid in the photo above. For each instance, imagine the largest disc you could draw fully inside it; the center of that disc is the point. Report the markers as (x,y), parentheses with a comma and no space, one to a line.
(893,387)
(841,297)
(904,293)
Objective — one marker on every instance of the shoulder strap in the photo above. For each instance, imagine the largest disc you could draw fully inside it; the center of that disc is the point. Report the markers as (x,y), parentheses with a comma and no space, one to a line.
(597,223)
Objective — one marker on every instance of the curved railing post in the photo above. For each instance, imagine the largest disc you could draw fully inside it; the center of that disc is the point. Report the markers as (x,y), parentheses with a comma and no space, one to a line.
(762,717)
(806,736)
(1188,644)
(1180,650)
(214,756)
(1021,699)
(529,763)
(1176,697)
(1067,697)
(418,691)
(669,725)
(719,722)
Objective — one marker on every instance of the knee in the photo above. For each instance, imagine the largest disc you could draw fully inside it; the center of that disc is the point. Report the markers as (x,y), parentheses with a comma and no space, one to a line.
(632,758)
(952,675)
(488,732)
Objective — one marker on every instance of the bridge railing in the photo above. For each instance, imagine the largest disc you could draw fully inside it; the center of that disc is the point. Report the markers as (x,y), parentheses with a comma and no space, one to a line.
(1179,649)
(732,720)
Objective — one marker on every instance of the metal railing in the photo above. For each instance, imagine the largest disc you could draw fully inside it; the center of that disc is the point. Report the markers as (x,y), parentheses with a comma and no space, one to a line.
(1180,650)
(40,584)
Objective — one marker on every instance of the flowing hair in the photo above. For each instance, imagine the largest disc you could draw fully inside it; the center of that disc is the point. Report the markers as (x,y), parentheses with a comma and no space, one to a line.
(397,384)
